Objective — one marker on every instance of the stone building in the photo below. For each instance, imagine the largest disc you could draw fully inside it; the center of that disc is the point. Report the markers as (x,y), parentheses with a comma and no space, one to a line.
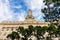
(6,27)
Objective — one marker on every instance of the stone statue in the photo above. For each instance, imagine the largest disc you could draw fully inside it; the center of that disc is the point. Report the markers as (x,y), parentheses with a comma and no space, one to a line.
(29,12)
(29,16)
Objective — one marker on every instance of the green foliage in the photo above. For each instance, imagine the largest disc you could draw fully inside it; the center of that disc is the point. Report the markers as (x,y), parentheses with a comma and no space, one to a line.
(13,35)
(51,27)
(58,31)
(51,12)
(26,32)
(38,32)
(31,29)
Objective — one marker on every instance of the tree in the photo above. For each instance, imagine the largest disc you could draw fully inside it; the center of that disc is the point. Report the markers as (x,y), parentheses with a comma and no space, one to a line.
(57,32)
(51,13)
(10,36)
(13,35)
(26,32)
(39,32)
(22,31)
(31,30)
(50,30)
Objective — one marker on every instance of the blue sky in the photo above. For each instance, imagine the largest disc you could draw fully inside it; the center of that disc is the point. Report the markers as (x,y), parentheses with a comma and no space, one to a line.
(14,10)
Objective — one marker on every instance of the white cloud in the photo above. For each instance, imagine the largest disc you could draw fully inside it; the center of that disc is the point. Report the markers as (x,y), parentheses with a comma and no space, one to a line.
(34,4)
(5,13)
(38,15)
(21,16)
(18,7)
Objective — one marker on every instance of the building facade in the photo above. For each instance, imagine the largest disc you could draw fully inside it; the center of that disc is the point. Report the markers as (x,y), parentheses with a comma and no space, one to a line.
(6,27)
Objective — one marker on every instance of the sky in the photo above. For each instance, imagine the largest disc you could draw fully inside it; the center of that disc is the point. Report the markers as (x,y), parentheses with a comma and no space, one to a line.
(14,10)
